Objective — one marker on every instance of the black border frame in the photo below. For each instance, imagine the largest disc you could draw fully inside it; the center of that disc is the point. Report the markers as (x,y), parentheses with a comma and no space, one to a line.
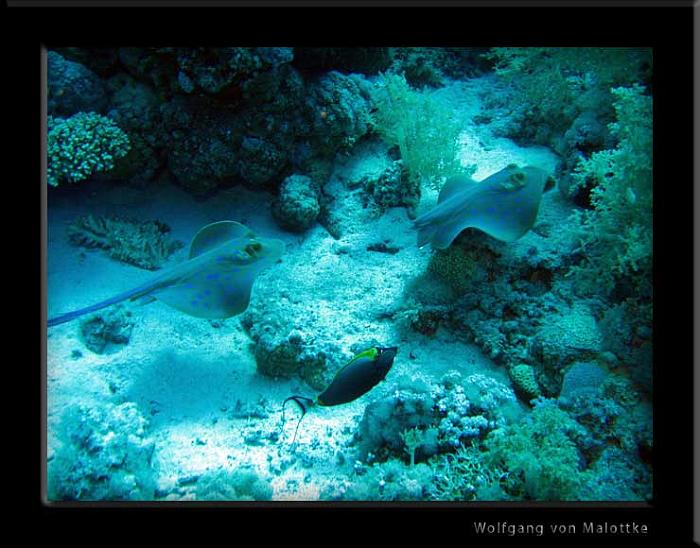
(668,30)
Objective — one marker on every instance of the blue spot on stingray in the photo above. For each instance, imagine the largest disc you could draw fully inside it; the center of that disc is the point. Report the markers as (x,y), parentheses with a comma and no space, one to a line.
(207,291)
(212,276)
(194,303)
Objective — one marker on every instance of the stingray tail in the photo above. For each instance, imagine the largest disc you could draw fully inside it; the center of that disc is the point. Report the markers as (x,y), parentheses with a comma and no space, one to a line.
(131,294)
(63,318)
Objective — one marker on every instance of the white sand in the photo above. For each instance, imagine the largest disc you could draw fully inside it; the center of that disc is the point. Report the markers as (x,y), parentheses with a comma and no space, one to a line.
(190,374)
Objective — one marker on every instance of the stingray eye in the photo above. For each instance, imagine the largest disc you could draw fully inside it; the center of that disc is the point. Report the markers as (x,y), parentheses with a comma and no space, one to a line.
(251,249)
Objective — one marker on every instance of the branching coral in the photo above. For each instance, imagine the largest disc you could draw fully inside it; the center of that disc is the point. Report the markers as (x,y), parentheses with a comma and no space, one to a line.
(413,438)
(423,422)
(609,66)
(541,452)
(463,475)
(82,145)
(391,480)
(424,128)
(616,236)
(552,86)
(144,244)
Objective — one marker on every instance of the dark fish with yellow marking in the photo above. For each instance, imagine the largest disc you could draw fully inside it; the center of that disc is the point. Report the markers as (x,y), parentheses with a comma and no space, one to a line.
(356,378)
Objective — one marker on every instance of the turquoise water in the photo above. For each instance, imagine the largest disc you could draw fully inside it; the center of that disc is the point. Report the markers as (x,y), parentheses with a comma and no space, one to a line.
(522,325)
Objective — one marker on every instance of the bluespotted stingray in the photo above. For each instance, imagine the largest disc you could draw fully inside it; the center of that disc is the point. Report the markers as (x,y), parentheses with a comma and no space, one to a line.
(216,280)
(504,205)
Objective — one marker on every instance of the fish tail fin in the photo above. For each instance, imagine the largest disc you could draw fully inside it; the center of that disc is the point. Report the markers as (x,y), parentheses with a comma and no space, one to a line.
(299,400)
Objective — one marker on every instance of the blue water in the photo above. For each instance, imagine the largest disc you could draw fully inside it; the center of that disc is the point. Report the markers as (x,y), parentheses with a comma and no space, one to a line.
(523,369)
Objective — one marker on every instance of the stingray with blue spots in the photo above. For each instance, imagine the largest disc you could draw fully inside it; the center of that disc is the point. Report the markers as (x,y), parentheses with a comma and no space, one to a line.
(504,205)
(214,283)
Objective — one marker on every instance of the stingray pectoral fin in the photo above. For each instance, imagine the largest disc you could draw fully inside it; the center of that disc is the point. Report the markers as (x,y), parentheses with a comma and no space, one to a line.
(215,234)
(237,300)
(208,300)
(503,232)
(428,223)
(445,234)
(214,291)
(507,226)
(438,227)
(425,235)
(274,249)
